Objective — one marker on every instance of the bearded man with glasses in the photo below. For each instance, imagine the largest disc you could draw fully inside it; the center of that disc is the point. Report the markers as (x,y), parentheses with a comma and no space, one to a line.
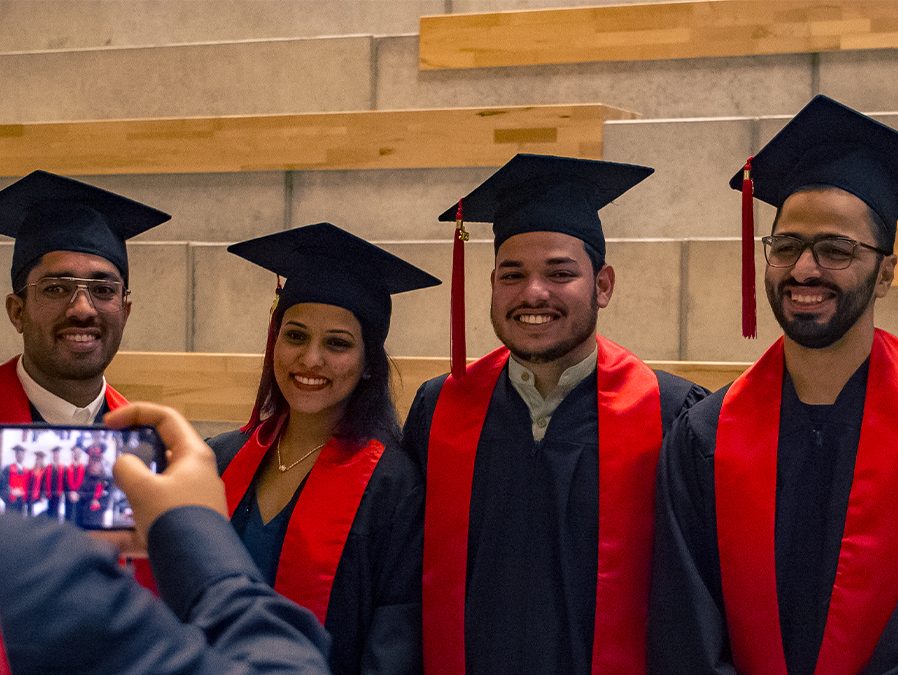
(776,545)
(70,295)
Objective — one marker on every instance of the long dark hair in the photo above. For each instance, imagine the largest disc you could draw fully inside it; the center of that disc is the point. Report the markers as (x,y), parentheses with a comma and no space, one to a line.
(370,412)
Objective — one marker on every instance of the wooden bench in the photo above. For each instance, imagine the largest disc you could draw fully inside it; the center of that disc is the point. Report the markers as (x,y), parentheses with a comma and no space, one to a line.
(222,387)
(384,139)
(668,30)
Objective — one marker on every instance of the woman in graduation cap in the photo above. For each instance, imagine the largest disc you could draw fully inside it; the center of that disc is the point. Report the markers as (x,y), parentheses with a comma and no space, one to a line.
(327,504)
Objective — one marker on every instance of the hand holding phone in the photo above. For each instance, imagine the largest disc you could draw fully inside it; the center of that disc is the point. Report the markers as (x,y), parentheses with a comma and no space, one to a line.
(190,479)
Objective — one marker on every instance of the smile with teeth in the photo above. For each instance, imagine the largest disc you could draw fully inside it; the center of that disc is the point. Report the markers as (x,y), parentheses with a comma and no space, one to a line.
(79,337)
(310,381)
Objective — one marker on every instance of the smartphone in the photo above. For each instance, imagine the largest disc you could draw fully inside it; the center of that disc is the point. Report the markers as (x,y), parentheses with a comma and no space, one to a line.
(64,473)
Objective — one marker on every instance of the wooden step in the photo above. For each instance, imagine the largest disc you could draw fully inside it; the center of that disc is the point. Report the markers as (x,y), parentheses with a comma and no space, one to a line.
(222,387)
(650,31)
(395,139)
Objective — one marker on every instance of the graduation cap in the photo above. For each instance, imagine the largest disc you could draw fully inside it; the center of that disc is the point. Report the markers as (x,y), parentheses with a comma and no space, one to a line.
(45,212)
(323,263)
(826,143)
(537,193)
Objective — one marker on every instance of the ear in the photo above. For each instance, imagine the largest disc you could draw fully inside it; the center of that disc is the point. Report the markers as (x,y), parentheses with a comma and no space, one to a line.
(604,286)
(15,308)
(126,308)
(886,275)
(493,278)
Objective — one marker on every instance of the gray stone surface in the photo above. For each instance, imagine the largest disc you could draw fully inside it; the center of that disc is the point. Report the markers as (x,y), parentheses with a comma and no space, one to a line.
(65,24)
(687,196)
(384,205)
(236,78)
(644,314)
(160,292)
(864,80)
(206,207)
(713,307)
(761,85)
(231,299)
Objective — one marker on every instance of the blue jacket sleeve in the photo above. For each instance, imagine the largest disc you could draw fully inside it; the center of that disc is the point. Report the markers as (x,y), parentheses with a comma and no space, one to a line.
(67,607)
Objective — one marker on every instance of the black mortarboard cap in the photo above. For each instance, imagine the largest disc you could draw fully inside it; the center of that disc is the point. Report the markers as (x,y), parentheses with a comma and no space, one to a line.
(828,143)
(46,212)
(323,263)
(543,193)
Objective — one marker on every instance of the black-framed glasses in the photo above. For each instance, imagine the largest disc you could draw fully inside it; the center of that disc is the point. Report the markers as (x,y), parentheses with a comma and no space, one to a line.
(105,295)
(831,253)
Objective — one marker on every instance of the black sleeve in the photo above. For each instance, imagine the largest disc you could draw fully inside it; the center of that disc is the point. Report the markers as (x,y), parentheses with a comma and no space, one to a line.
(677,396)
(67,607)
(393,644)
(416,433)
(687,626)
(226,446)
(885,657)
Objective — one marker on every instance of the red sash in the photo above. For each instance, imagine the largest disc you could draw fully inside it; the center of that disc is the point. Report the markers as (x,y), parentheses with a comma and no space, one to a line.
(17,410)
(73,478)
(324,513)
(629,422)
(4,660)
(866,585)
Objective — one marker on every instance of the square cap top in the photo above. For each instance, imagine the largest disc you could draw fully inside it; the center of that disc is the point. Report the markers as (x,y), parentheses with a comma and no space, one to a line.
(828,143)
(324,263)
(544,193)
(46,212)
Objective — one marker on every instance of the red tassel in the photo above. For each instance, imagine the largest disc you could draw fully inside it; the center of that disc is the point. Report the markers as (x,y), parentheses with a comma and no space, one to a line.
(749,310)
(457,347)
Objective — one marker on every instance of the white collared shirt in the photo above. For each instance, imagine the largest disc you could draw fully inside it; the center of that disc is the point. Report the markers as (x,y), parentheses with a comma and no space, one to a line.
(56,410)
(541,409)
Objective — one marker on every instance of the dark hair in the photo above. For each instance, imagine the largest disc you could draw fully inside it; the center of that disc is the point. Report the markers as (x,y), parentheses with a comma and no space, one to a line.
(877,224)
(595,258)
(370,412)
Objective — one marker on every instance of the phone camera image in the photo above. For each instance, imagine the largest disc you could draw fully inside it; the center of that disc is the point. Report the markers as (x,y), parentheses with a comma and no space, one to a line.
(65,473)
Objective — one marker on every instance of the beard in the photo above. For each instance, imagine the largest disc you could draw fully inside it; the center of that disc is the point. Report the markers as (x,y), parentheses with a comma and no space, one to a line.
(583,327)
(804,329)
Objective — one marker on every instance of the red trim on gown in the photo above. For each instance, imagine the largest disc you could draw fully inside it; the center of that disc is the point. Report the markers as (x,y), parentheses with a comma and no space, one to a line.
(322,518)
(865,591)
(629,423)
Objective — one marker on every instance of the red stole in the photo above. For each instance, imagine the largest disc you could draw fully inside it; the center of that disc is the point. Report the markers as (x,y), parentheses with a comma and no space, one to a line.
(865,591)
(16,408)
(629,422)
(320,523)
(37,477)
(74,476)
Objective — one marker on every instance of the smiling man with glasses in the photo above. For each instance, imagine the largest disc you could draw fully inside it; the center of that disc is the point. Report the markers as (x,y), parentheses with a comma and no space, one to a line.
(777,514)
(70,295)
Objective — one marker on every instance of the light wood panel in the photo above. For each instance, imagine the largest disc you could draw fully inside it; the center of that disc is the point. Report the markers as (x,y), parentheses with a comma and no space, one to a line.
(398,139)
(222,387)
(669,30)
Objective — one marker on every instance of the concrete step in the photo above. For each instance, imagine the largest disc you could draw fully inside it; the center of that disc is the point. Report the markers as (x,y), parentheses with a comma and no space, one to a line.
(227,78)
(66,24)
(276,76)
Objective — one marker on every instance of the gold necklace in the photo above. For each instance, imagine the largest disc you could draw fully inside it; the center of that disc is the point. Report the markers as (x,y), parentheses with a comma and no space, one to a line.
(283,468)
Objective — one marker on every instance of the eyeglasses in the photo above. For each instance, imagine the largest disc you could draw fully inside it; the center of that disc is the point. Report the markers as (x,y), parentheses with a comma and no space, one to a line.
(831,253)
(105,295)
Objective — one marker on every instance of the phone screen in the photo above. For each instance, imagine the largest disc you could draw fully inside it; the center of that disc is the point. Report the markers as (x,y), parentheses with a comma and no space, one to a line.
(65,473)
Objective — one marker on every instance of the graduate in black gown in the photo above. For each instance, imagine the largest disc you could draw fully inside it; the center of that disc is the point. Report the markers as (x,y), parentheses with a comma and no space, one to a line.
(512,448)
(68,607)
(319,489)
(774,547)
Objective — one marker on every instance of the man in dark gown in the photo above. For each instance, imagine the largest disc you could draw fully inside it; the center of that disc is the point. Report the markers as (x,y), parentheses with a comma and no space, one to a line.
(775,540)
(522,516)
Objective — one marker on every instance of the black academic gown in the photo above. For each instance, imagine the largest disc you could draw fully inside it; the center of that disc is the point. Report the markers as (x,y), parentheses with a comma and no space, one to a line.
(374,615)
(533,531)
(66,606)
(815,465)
